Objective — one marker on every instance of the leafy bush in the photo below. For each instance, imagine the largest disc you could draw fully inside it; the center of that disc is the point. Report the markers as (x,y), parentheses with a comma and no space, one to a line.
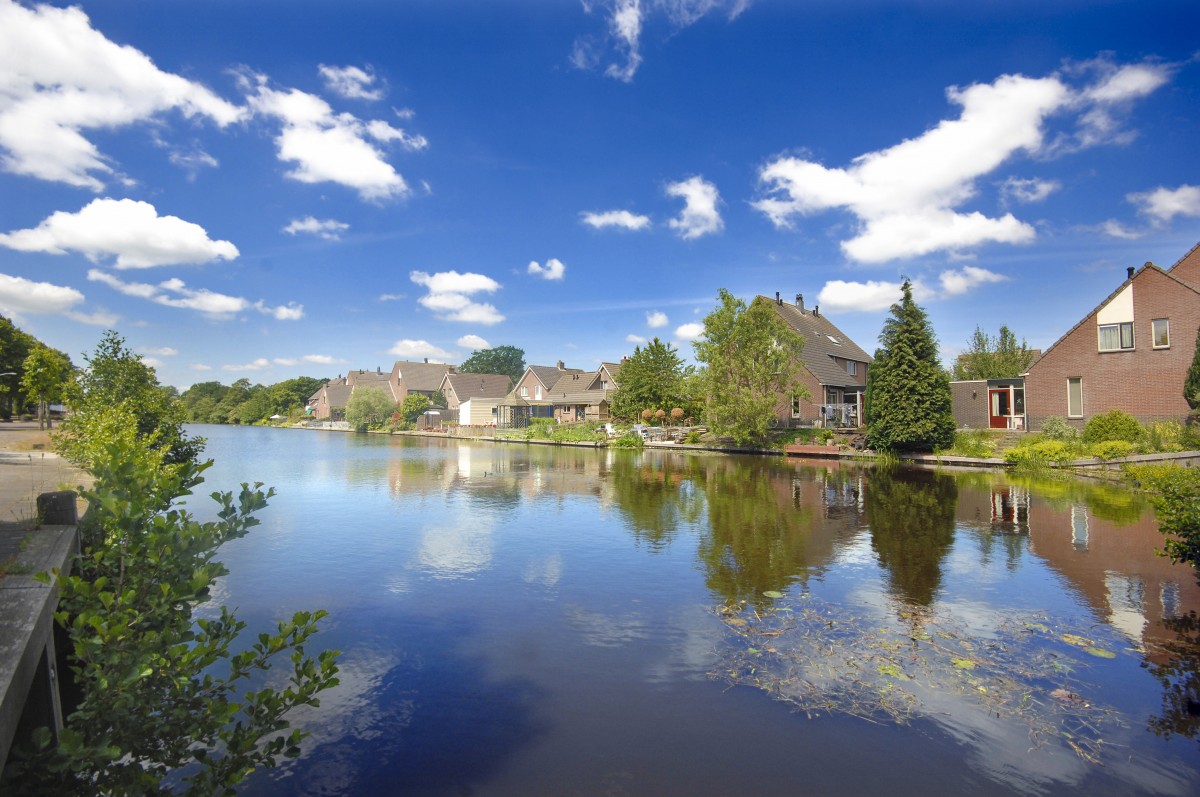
(577,433)
(1113,425)
(1177,504)
(1040,454)
(628,440)
(1056,428)
(539,429)
(1112,449)
(693,438)
(973,443)
(1165,436)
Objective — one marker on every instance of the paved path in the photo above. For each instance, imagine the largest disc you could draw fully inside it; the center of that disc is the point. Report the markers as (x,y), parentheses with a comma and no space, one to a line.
(28,467)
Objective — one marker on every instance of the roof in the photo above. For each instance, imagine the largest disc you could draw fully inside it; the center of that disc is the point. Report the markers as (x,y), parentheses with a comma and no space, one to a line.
(421,376)
(548,375)
(1111,296)
(822,342)
(339,395)
(468,386)
(572,388)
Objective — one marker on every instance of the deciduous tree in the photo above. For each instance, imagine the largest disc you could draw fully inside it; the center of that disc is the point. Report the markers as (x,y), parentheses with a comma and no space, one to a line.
(1000,357)
(47,372)
(910,392)
(369,407)
(652,377)
(752,361)
(507,360)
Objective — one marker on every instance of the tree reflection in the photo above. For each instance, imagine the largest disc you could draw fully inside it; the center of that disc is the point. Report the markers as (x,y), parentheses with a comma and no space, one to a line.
(911,517)
(656,495)
(1179,675)
(762,534)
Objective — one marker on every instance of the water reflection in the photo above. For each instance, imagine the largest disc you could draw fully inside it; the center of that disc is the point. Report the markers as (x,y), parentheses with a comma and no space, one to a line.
(656,496)
(911,516)
(1175,662)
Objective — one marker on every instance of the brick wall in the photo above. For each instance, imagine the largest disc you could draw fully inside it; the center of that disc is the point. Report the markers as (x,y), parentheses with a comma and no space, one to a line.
(969,400)
(1145,382)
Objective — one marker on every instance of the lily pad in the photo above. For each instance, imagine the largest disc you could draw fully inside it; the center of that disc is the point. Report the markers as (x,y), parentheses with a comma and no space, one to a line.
(1073,639)
(1099,653)
(963,664)
(773,593)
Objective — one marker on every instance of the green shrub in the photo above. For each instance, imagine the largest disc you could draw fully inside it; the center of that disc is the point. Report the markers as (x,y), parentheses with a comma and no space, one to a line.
(1177,505)
(1113,425)
(973,443)
(628,440)
(1112,449)
(1040,454)
(693,438)
(1056,428)
(1164,436)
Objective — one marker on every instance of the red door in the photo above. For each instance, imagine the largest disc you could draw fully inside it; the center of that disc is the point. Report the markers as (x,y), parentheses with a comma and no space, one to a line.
(999,408)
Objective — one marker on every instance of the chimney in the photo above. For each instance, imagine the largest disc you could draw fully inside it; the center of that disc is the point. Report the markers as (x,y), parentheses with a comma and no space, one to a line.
(778,301)
(450,369)
(426,360)
(378,369)
(560,365)
(800,302)
(1129,273)
(816,311)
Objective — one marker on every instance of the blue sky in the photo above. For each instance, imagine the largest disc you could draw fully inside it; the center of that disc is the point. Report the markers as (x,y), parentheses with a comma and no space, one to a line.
(270,189)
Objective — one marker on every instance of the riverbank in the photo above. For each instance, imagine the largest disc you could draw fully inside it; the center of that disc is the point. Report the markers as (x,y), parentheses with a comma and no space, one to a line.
(28,467)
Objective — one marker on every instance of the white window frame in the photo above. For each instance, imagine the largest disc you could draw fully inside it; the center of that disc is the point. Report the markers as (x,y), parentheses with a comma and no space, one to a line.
(1121,328)
(852,367)
(1078,414)
(1166,322)
(537,393)
(524,391)
(795,405)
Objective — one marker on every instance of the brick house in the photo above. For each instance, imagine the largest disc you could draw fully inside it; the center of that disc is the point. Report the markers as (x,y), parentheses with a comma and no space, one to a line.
(530,396)
(413,377)
(467,397)
(834,369)
(583,396)
(1131,353)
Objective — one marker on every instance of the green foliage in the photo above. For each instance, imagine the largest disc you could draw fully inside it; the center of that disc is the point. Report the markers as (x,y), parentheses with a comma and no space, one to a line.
(413,405)
(1040,454)
(654,376)
(15,346)
(507,360)
(752,361)
(47,373)
(974,443)
(628,440)
(115,376)
(1112,425)
(576,433)
(1164,436)
(539,429)
(1176,497)
(1112,449)
(1191,382)
(910,393)
(372,407)
(993,358)
(1056,428)
(693,438)
(167,705)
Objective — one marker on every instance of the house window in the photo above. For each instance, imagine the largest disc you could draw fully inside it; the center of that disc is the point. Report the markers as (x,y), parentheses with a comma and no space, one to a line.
(795,405)
(1075,397)
(524,391)
(1161,329)
(851,367)
(1116,337)
(537,393)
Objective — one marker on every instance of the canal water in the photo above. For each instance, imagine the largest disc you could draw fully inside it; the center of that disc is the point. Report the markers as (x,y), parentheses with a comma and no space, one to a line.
(528,620)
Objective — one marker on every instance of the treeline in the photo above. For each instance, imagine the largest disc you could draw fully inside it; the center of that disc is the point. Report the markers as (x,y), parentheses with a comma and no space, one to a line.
(244,403)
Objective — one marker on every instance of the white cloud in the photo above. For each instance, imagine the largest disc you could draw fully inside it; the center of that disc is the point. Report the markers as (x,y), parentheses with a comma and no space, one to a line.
(19,295)
(161,351)
(175,293)
(631,338)
(192,162)
(1103,103)
(351,82)
(328,229)
(839,296)
(1116,229)
(200,367)
(1163,204)
(449,294)
(699,216)
(553,270)
(625,26)
(473,342)
(316,359)
(656,319)
(391,297)
(690,331)
(152,362)
(329,147)
(60,78)
(622,219)
(256,365)
(956,283)
(905,196)
(414,349)
(1028,189)
(130,231)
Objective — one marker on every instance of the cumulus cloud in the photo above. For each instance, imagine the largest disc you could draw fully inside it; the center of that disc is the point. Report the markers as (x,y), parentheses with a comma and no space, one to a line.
(905,197)
(175,293)
(631,338)
(553,270)
(315,359)
(958,282)
(331,147)
(449,296)
(1029,189)
(329,229)
(255,365)
(621,219)
(691,331)
(699,216)
(419,349)
(200,367)
(656,319)
(839,296)
(391,297)
(161,351)
(60,78)
(1116,229)
(19,297)
(131,232)
(1163,204)
(473,342)
(351,82)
